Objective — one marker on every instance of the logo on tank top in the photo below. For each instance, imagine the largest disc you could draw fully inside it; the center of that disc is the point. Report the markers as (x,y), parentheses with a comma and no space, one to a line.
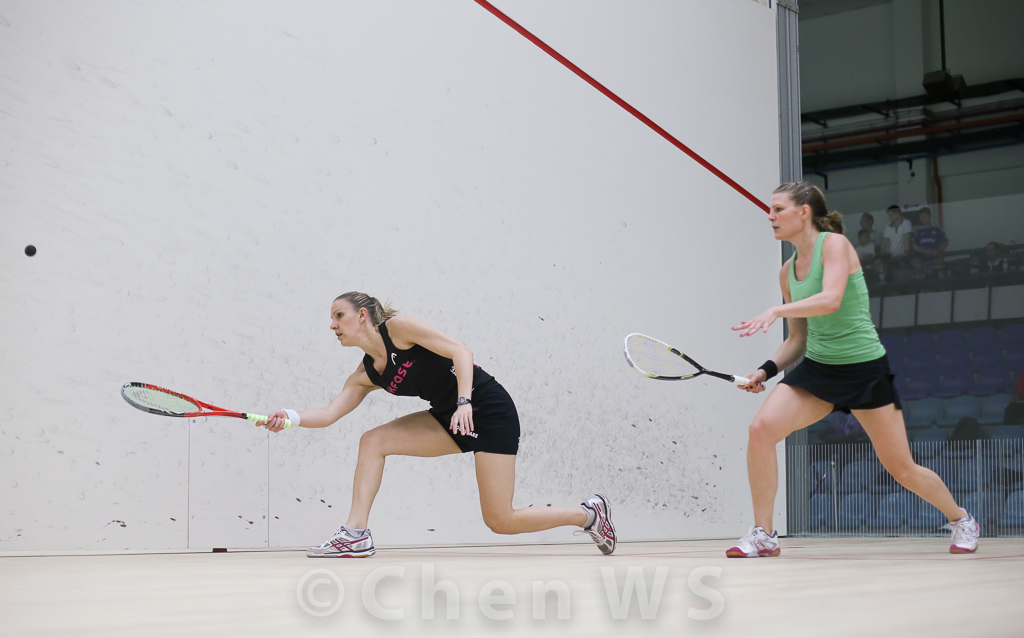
(394,355)
(400,377)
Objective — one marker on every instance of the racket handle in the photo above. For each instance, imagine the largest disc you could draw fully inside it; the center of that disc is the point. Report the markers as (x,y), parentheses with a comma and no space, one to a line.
(259,418)
(741,381)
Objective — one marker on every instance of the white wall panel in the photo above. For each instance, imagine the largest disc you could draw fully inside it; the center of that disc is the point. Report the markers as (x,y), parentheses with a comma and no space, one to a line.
(202,179)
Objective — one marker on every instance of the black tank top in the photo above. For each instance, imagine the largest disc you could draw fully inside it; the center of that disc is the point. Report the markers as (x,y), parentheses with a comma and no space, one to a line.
(419,372)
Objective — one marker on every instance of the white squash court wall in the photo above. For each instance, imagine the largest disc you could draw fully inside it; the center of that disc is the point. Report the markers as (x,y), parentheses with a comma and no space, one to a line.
(201,179)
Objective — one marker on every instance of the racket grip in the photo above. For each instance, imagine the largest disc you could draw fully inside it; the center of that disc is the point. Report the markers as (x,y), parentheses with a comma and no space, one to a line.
(741,381)
(259,418)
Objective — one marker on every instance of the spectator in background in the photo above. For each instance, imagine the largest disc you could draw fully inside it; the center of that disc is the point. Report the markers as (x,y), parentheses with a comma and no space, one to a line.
(927,239)
(867,222)
(968,429)
(1014,413)
(866,249)
(896,237)
(917,270)
(994,260)
(879,273)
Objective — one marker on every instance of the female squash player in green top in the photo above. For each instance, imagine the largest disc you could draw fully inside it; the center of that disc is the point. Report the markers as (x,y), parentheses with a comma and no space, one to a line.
(844,368)
(469,412)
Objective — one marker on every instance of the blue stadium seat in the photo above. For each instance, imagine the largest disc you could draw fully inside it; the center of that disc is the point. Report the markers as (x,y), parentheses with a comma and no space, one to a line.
(1011,468)
(855,510)
(992,408)
(820,512)
(822,477)
(994,381)
(929,435)
(884,483)
(920,386)
(944,467)
(981,337)
(894,350)
(951,340)
(955,381)
(931,444)
(965,476)
(892,342)
(1008,432)
(858,476)
(816,428)
(894,510)
(927,518)
(946,359)
(923,412)
(1012,335)
(1013,359)
(919,341)
(1012,518)
(985,507)
(985,358)
(900,382)
(958,407)
(1009,442)
(919,363)
(959,449)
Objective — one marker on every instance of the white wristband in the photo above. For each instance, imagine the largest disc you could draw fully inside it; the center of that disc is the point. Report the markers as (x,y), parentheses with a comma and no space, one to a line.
(293,416)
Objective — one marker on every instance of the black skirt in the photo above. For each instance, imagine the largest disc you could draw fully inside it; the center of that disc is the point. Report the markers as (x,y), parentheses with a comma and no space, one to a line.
(495,421)
(847,386)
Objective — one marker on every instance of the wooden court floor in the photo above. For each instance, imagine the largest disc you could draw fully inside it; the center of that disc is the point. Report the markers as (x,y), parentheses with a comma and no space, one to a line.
(817,587)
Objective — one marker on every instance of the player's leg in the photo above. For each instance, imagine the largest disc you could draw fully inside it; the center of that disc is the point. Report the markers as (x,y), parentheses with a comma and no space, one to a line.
(417,434)
(786,410)
(888,435)
(496,478)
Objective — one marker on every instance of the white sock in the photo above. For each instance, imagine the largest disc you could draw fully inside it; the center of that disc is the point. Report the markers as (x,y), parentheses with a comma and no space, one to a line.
(591,516)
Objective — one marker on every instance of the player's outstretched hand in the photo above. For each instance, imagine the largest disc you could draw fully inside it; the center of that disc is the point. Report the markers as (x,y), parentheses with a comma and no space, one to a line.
(760,322)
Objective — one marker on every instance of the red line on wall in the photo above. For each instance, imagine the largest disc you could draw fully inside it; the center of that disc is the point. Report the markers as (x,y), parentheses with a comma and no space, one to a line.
(625,105)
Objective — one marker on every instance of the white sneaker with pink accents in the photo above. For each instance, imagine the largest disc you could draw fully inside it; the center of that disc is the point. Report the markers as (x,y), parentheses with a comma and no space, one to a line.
(601,529)
(346,543)
(965,535)
(755,544)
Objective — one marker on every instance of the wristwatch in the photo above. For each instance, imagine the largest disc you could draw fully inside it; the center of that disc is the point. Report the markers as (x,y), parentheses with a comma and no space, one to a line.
(463,401)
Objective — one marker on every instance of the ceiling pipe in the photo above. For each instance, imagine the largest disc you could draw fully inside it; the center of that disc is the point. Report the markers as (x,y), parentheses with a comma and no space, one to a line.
(914,132)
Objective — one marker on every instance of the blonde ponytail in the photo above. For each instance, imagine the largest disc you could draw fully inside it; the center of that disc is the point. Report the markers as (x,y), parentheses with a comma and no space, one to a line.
(379,312)
(832,222)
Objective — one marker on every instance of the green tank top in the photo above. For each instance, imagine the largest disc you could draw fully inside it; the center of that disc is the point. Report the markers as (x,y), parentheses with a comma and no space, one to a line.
(847,335)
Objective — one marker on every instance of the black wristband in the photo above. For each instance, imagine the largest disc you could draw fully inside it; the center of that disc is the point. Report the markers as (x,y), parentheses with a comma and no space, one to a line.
(770,369)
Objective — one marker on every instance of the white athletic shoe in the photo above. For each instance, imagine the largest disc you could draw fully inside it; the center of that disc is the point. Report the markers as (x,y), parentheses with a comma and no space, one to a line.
(755,544)
(346,543)
(601,530)
(965,535)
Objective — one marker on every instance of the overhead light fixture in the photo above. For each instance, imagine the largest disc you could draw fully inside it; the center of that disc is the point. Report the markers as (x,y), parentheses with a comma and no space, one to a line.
(942,84)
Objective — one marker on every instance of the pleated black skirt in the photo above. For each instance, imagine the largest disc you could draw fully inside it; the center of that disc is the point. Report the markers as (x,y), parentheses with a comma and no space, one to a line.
(849,386)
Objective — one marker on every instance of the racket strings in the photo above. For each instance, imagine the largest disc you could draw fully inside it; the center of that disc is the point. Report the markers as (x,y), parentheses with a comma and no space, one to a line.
(159,400)
(656,358)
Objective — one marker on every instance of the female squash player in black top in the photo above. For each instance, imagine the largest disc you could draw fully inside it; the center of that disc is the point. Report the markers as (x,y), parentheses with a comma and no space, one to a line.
(469,411)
